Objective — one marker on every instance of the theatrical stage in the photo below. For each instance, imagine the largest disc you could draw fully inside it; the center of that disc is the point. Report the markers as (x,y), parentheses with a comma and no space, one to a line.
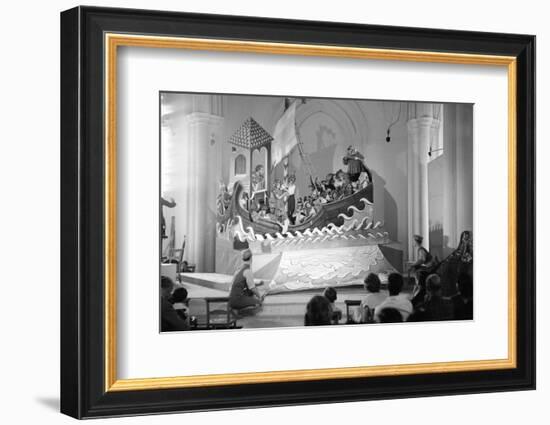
(310,190)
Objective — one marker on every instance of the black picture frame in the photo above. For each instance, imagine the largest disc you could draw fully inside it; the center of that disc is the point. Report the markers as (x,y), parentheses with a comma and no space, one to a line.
(83,392)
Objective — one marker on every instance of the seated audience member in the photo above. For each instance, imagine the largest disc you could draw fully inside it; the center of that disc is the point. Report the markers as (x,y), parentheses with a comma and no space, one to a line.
(170,320)
(395,300)
(331,295)
(373,299)
(317,312)
(463,303)
(180,303)
(435,306)
(390,315)
(423,267)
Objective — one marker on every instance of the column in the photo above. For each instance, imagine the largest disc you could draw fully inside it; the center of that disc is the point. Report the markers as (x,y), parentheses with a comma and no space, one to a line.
(421,131)
(201,168)
(191,163)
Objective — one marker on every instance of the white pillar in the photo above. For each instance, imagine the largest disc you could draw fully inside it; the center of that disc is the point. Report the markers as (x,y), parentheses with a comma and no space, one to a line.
(192,169)
(421,131)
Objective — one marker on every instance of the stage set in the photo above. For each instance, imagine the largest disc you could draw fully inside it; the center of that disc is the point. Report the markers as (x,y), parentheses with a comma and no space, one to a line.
(319,192)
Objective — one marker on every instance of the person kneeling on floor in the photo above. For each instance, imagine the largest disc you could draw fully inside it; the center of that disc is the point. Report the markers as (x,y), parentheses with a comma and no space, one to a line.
(244,296)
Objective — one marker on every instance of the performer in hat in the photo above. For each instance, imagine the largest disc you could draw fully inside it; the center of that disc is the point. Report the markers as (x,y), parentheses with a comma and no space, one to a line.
(423,267)
(354,161)
(244,294)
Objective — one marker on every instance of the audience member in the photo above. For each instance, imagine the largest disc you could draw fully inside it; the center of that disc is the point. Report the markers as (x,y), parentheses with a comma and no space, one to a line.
(390,315)
(395,299)
(463,304)
(373,299)
(435,306)
(331,295)
(317,311)
(170,320)
(180,303)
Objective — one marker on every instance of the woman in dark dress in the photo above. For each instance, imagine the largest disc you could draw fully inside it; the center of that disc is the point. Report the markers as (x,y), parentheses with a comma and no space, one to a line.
(465,254)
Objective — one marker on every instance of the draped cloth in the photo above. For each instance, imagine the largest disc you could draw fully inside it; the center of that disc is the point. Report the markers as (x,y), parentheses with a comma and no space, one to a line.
(285,137)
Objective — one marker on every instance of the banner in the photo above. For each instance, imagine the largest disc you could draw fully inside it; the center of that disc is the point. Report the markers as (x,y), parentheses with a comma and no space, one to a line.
(284,136)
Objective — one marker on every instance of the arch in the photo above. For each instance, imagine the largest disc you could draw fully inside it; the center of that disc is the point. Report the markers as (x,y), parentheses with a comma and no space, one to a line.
(240,164)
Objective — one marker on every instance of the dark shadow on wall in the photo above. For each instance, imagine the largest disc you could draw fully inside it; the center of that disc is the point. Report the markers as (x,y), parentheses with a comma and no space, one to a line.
(385,206)
(436,240)
(390,214)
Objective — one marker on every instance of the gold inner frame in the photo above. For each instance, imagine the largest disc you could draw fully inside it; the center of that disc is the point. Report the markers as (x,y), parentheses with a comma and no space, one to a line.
(113,41)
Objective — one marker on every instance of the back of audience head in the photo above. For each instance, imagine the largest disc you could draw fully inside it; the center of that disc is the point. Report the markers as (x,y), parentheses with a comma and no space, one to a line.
(390,315)
(166,286)
(179,296)
(464,285)
(330,294)
(433,285)
(372,283)
(317,311)
(395,283)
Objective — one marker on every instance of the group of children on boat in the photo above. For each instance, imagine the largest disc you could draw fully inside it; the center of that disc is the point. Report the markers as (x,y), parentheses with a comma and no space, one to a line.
(282,204)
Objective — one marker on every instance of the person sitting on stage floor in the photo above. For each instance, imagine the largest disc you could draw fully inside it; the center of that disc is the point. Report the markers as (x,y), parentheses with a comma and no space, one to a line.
(170,320)
(373,299)
(335,313)
(244,295)
(463,303)
(395,299)
(434,307)
(180,302)
(318,311)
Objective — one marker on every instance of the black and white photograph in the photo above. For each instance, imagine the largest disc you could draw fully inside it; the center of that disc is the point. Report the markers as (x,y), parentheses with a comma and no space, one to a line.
(301,211)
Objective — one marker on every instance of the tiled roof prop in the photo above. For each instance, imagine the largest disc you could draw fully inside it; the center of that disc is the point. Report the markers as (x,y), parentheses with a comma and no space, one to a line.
(251,135)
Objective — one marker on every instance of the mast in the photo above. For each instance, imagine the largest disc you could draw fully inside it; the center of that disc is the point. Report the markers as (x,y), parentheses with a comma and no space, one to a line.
(310,169)
(287,138)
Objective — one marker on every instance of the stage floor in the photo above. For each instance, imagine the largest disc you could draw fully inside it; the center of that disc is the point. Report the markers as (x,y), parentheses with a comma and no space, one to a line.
(279,310)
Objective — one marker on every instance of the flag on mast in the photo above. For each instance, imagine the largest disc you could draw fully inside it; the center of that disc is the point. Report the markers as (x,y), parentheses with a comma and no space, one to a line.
(284,136)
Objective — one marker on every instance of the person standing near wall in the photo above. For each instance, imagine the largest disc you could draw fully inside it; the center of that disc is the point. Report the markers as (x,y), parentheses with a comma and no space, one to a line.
(169,204)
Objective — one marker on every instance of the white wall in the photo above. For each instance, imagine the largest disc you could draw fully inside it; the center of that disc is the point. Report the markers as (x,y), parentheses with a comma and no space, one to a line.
(29,225)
